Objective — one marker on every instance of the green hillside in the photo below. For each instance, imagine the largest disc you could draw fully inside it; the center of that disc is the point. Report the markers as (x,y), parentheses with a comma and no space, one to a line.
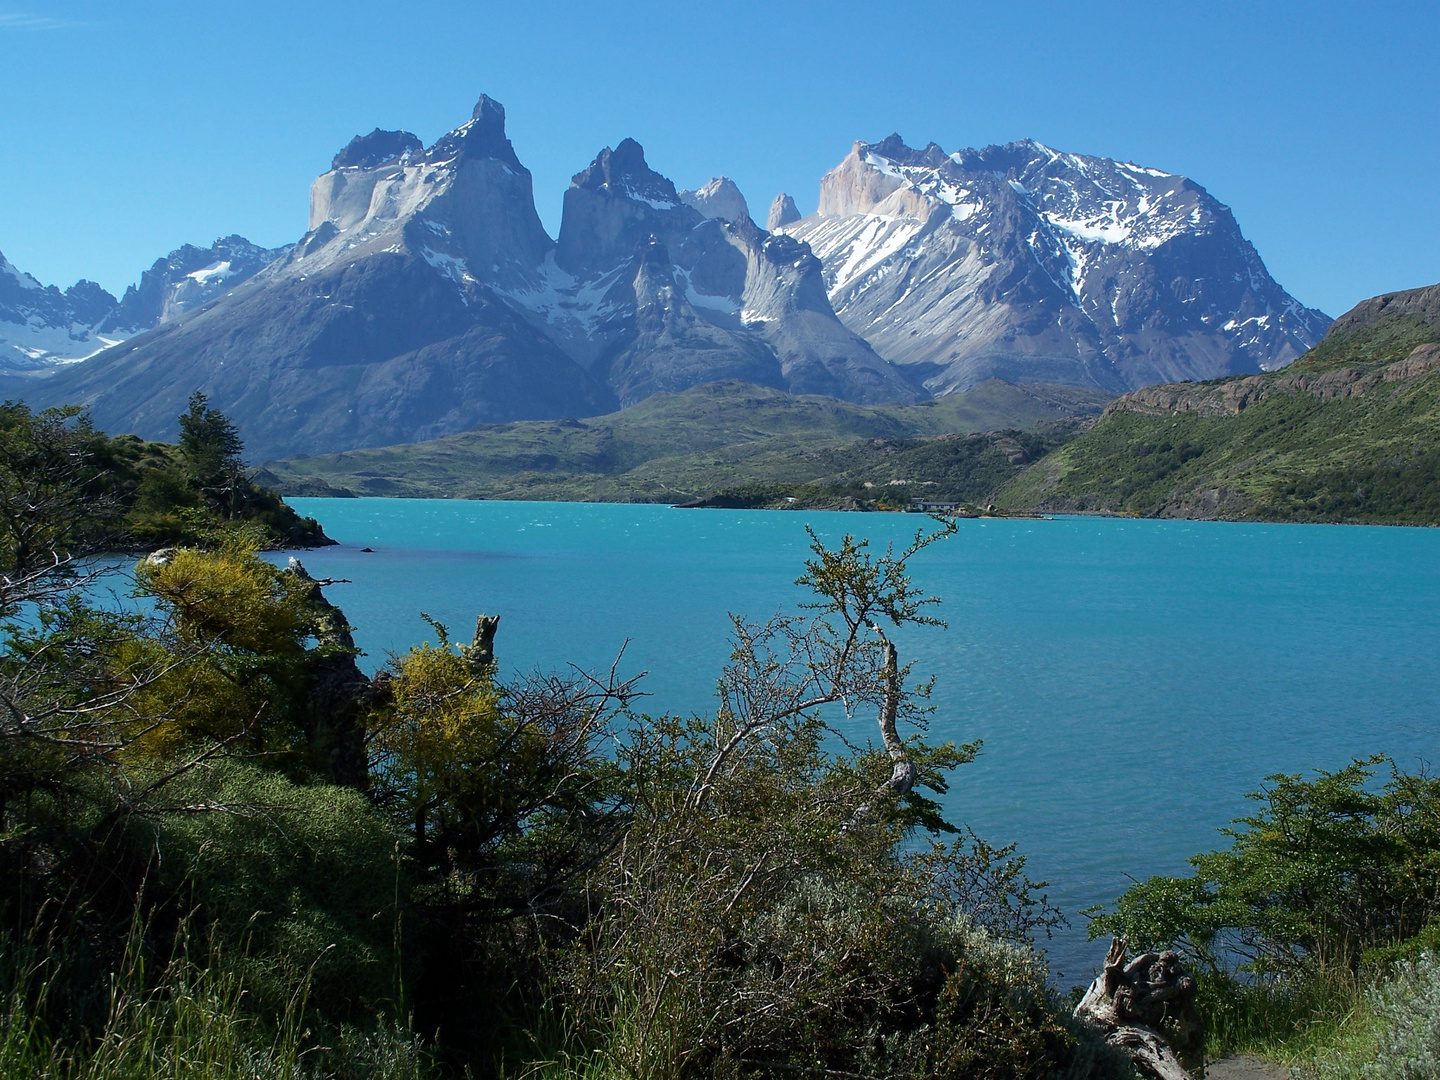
(1348,433)
(717,437)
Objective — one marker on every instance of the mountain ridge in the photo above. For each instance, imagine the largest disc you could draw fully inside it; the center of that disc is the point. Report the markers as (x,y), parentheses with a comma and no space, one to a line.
(1348,433)
(1023,262)
(426,296)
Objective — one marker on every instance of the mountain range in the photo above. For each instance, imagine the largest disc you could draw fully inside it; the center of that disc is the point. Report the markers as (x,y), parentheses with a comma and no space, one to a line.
(427,298)
(42,327)
(1027,264)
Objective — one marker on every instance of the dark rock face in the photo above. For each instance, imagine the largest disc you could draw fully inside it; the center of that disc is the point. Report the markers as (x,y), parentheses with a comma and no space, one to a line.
(672,347)
(783,211)
(1422,304)
(426,296)
(328,365)
(1030,265)
(757,302)
(385,323)
(483,137)
(377,149)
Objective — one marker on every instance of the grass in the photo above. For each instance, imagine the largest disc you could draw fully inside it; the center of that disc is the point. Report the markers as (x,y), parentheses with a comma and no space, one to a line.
(1291,456)
(188,1021)
(677,447)
(1291,1022)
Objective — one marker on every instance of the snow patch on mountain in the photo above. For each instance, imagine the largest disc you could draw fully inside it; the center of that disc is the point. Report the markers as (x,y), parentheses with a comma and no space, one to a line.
(1036,265)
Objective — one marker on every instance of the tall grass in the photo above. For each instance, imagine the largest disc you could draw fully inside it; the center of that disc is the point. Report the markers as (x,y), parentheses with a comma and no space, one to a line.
(1332,1024)
(1284,1019)
(189,1021)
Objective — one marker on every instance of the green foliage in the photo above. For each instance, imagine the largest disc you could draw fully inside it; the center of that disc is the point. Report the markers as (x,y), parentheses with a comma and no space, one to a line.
(53,499)
(1286,1019)
(210,449)
(1299,452)
(1387,339)
(503,793)
(1327,869)
(714,438)
(766,911)
(296,881)
(1407,1007)
(235,631)
(68,488)
(187,1019)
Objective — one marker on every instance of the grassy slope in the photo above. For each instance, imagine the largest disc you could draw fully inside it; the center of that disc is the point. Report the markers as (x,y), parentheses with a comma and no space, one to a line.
(678,446)
(1289,457)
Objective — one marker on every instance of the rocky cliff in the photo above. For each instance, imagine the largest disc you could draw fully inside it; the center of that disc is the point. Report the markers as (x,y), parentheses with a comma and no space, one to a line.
(1022,262)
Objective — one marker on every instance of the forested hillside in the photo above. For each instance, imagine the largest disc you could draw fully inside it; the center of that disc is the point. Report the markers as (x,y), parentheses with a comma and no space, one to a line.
(1348,433)
(63,482)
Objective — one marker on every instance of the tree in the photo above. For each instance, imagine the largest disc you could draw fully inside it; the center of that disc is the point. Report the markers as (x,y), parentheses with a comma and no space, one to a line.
(1325,869)
(53,503)
(768,911)
(211,447)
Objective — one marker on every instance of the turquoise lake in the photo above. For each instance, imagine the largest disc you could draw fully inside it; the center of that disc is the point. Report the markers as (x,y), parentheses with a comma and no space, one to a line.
(1131,680)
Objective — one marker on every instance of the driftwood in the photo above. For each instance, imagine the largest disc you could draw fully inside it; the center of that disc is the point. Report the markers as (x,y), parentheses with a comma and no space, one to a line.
(1134,1004)
(480,653)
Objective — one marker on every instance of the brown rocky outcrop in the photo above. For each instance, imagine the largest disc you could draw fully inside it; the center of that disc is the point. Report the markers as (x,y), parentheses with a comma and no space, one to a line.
(1232,396)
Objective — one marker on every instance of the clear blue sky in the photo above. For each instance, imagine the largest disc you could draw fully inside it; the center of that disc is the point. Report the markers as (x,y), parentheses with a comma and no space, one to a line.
(127,129)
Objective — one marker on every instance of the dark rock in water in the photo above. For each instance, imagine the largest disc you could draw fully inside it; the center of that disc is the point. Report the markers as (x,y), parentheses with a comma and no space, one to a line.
(783,211)
(337,694)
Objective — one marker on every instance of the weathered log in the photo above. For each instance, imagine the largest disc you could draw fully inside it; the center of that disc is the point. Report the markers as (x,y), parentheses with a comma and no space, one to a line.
(1135,1004)
(481,650)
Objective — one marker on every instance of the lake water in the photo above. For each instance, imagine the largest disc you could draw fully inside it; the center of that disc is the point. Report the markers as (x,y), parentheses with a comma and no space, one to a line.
(1131,680)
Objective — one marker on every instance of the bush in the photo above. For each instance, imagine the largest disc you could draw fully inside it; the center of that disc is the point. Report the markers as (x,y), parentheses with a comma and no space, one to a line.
(1328,869)
(1409,1006)
(297,884)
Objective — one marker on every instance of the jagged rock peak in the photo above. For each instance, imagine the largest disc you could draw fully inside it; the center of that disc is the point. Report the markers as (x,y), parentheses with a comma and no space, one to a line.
(719,198)
(783,211)
(482,136)
(624,171)
(893,148)
(377,149)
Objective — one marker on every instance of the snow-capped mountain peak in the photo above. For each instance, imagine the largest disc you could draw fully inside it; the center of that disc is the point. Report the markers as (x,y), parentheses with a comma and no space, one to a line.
(623,171)
(1034,264)
(465,205)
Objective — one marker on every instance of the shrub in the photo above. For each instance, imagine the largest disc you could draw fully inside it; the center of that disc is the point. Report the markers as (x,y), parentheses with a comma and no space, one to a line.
(1327,869)
(297,884)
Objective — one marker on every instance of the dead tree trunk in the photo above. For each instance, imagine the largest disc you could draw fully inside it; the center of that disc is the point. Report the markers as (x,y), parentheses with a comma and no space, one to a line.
(336,695)
(1136,1004)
